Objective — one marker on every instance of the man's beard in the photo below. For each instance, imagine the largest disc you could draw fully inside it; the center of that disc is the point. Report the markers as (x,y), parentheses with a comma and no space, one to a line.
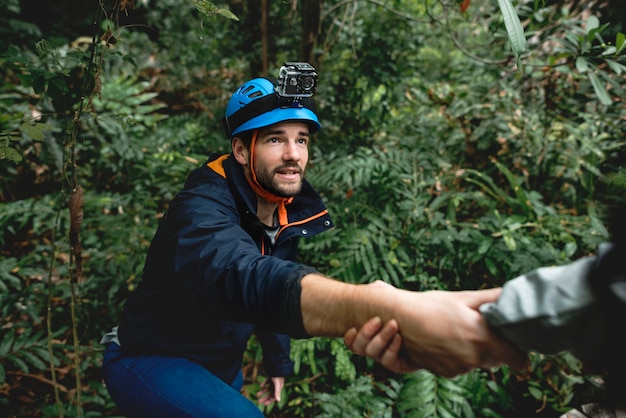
(266,181)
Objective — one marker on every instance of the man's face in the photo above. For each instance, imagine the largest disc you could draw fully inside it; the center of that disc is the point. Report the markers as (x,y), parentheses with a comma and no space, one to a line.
(281,155)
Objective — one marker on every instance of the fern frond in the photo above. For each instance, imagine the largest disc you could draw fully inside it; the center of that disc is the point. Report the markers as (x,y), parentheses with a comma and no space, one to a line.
(427,395)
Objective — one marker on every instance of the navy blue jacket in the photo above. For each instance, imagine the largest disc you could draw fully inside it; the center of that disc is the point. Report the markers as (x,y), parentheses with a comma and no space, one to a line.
(212,277)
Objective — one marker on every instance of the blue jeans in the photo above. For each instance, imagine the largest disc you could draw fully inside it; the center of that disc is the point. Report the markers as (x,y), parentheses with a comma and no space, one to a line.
(160,386)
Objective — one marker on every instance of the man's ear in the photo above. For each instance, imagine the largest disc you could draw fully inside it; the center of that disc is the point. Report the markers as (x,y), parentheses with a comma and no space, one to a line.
(240,152)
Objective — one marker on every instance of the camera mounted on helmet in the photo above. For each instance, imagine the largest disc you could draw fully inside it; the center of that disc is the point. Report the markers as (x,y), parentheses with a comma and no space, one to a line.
(296,80)
(265,101)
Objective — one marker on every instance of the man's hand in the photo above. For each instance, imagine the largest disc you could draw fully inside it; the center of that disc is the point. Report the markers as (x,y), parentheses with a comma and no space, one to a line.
(444,332)
(383,344)
(270,390)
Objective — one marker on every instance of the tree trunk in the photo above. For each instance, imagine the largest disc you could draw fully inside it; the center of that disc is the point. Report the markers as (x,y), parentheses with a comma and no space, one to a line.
(311,13)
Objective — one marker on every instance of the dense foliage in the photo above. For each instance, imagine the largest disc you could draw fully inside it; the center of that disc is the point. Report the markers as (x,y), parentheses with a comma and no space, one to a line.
(447,161)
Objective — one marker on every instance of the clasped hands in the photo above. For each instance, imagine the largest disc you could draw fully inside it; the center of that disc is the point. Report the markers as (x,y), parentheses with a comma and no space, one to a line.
(441,331)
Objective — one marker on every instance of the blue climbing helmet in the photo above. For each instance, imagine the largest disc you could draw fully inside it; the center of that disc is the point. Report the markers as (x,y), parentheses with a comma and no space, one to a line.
(256,104)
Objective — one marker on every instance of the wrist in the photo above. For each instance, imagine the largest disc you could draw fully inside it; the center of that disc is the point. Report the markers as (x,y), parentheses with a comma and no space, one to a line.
(330,307)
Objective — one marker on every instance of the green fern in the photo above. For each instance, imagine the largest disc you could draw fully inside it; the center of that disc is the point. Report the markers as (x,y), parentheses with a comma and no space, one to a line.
(33,130)
(376,199)
(427,395)
(344,368)
(23,351)
(303,354)
(363,398)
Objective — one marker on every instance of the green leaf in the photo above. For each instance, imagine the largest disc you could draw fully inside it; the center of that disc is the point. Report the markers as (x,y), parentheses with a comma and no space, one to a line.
(509,241)
(616,67)
(35,130)
(228,14)
(209,9)
(535,392)
(592,24)
(6,343)
(620,39)
(7,153)
(491,266)
(484,246)
(445,412)
(601,92)
(513,27)
(34,360)
(570,249)
(520,193)
(581,64)
(19,363)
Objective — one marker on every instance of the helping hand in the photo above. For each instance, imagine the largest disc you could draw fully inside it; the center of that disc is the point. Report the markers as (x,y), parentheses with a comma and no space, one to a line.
(383,344)
(443,332)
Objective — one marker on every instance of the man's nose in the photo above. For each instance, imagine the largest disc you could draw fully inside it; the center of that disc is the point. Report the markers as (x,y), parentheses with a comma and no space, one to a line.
(292,152)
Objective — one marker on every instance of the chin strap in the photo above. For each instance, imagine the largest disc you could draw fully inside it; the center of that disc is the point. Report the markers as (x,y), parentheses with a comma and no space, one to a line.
(259,190)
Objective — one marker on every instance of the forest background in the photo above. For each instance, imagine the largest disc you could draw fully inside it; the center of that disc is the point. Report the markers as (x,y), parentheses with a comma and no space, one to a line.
(450,158)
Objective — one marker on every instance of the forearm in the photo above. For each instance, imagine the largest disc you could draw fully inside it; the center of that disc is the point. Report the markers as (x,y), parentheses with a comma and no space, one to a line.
(330,307)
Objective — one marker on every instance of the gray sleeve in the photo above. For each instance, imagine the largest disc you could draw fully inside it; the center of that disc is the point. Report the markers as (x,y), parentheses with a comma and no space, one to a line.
(551,309)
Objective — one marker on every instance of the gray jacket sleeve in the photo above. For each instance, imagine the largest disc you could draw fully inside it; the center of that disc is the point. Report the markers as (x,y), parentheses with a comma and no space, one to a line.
(552,309)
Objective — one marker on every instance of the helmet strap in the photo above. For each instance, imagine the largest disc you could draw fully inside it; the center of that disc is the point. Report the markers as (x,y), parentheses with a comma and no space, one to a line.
(260,191)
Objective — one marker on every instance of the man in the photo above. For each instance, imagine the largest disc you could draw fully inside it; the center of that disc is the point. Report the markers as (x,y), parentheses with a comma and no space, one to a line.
(221,266)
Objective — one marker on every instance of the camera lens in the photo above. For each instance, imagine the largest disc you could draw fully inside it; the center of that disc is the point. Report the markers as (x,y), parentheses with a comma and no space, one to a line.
(307,83)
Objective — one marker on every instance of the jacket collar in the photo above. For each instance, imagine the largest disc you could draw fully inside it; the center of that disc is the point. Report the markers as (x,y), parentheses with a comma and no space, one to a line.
(307,204)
